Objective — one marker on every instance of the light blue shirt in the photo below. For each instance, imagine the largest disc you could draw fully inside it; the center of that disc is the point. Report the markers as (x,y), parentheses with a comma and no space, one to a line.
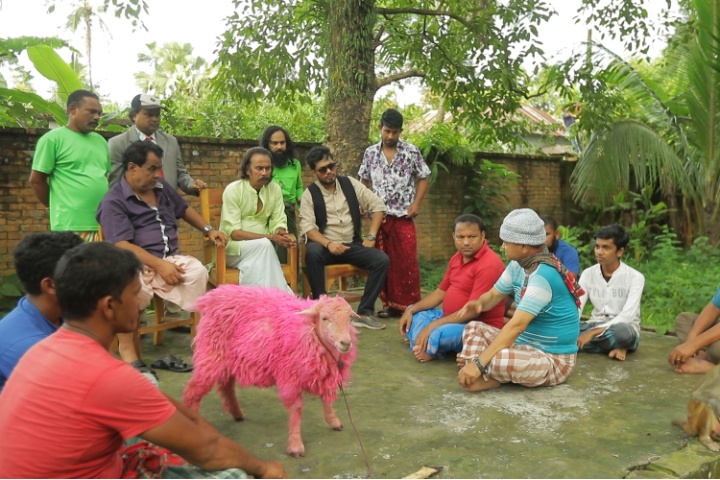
(556,325)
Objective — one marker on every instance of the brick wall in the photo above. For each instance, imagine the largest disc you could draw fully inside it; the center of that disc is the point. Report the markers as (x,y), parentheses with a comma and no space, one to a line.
(543,185)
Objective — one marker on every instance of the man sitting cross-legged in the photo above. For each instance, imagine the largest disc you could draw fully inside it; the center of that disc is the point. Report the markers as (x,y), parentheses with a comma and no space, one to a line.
(473,270)
(614,290)
(330,220)
(140,214)
(37,314)
(537,346)
(70,405)
(699,336)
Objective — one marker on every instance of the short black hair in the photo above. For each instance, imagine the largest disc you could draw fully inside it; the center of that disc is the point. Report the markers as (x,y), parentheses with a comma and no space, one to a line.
(550,221)
(615,232)
(37,254)
(391,118)
(270,131)
(137,153)
(317,154)
(78,95)
(469,218)
(90,272)
(245,163)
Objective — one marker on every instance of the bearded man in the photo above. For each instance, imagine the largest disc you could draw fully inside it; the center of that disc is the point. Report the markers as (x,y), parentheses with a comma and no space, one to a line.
(287,172)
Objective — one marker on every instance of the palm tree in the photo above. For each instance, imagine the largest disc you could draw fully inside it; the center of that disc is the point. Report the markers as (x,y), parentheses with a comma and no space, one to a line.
(674,142)
(174,70)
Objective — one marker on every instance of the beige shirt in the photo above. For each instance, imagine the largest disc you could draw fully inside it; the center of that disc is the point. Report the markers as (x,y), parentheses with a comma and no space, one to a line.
(339,222)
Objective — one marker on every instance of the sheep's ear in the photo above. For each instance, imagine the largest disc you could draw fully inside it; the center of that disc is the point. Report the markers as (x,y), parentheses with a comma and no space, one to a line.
(309,311)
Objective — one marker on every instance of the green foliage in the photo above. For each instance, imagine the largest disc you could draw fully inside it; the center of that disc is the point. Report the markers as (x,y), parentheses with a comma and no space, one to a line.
(10,291)
(442,144)
(431,274)
(677,280)
(487,191)
(54,68)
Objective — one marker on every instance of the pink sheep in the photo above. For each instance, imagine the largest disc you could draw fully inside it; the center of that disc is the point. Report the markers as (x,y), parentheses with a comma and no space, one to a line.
(263,337)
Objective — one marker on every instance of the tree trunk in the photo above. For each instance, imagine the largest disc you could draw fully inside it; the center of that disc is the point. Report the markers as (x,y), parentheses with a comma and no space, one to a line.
(351,90)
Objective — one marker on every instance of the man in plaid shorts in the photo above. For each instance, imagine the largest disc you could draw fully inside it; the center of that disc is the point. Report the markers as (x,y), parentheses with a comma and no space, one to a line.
(538,346)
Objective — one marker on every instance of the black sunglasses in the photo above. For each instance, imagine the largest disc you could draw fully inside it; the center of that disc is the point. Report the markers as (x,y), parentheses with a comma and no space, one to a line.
(326,168)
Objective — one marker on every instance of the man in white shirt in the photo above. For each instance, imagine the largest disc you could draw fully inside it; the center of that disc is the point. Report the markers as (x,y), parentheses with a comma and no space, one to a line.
(614,289)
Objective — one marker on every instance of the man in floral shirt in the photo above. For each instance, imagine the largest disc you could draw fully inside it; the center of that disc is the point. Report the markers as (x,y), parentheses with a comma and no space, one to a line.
(397,173)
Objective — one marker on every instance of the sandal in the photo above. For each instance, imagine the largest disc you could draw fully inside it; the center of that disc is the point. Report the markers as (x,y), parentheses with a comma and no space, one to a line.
(172,363)
(389,312)
(143,368)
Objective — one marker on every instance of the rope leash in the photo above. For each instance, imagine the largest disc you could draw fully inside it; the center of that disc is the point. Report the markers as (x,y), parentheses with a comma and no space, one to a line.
(339,364)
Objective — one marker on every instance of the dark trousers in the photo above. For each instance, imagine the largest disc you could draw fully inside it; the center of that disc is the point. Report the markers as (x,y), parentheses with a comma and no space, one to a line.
(370,259)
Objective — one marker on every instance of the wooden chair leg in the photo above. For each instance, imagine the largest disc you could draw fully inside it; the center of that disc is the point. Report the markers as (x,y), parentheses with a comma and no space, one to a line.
(159,313)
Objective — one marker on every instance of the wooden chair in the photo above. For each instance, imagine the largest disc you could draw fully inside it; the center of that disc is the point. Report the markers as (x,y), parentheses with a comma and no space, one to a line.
(335,273)
(210,208)
(161,322)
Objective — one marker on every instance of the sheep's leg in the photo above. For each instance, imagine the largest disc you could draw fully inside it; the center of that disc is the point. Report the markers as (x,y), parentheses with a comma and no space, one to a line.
(330,417)
(226,392)
(198,386)
(295,444)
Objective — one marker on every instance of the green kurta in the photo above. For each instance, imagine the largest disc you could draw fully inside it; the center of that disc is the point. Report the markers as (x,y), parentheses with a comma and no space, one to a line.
(239,211)
(290,180)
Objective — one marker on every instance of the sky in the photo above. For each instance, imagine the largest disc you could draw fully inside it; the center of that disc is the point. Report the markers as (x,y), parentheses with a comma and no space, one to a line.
(200,23)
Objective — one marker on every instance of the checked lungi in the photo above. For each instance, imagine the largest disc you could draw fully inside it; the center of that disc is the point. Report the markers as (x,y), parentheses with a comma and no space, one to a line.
(521,364)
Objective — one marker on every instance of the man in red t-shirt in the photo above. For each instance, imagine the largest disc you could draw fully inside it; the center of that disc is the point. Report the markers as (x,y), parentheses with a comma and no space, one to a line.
(70,405)
(472,271)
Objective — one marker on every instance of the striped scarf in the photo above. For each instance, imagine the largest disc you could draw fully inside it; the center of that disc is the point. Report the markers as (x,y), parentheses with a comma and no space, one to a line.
(531,263)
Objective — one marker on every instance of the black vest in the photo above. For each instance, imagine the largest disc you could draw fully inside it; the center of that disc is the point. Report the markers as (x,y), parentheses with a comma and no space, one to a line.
(353,205)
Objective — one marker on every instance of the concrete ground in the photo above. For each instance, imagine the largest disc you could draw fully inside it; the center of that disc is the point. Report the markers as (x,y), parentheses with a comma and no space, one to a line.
(610,420)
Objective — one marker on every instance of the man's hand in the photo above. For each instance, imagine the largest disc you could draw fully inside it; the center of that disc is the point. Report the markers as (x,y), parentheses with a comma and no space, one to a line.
(171,273)
(468,374)
(337,248)
(474,306)
(217,237)
(413,210)
(587,336)
(198,185)
(369,243)
(405,322)
(422,339)
(283,238)
(681,354)
(273,470)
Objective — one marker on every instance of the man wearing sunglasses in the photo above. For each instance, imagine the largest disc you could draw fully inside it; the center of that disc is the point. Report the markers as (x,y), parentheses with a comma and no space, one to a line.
(331,222)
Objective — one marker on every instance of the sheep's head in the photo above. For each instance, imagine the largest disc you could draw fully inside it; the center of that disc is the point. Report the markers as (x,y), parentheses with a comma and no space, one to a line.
(331,317)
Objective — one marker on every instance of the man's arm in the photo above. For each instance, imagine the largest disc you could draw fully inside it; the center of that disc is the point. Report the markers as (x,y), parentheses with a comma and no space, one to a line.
(486,302)
(115,147)
(40,186)
(185,181)
(195,219)
(422,186)
(702,334)
(204,447)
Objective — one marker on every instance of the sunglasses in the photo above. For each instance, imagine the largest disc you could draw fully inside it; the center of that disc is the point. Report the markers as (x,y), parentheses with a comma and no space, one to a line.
(330,167)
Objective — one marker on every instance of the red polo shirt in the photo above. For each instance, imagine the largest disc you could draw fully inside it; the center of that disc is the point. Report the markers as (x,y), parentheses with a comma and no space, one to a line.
(467,281)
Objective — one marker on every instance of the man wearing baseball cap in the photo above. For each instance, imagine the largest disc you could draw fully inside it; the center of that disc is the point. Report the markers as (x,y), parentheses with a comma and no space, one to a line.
(538,346)
(145,115)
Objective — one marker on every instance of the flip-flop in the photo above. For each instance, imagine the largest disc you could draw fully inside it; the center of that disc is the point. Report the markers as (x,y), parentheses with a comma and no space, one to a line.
(143,368)
(389,312)
(172,363)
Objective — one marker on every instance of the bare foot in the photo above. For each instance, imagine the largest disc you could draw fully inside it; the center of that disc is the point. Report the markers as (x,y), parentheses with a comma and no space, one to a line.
(618,354)
(694,365)
(422,356)
(481,384)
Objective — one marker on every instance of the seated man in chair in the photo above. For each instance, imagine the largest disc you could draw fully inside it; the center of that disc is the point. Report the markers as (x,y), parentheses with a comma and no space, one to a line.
(253,218)
(140,214)
(330,220)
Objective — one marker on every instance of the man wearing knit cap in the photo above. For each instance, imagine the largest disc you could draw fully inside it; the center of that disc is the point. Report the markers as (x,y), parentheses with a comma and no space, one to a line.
(538,346)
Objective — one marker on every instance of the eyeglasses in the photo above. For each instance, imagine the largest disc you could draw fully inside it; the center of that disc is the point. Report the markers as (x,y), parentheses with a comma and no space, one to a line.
(330,167)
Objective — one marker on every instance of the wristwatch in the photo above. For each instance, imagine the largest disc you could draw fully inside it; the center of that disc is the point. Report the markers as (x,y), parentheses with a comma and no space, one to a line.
(371,237)
(483,369)
(207,229)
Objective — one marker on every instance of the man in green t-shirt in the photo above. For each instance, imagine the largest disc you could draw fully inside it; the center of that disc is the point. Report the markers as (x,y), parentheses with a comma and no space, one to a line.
(287,172)
(70,168)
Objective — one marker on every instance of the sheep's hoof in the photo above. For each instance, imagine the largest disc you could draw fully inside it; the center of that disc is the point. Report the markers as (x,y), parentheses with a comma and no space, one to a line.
(338,428)
(296,453)
(239,418)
